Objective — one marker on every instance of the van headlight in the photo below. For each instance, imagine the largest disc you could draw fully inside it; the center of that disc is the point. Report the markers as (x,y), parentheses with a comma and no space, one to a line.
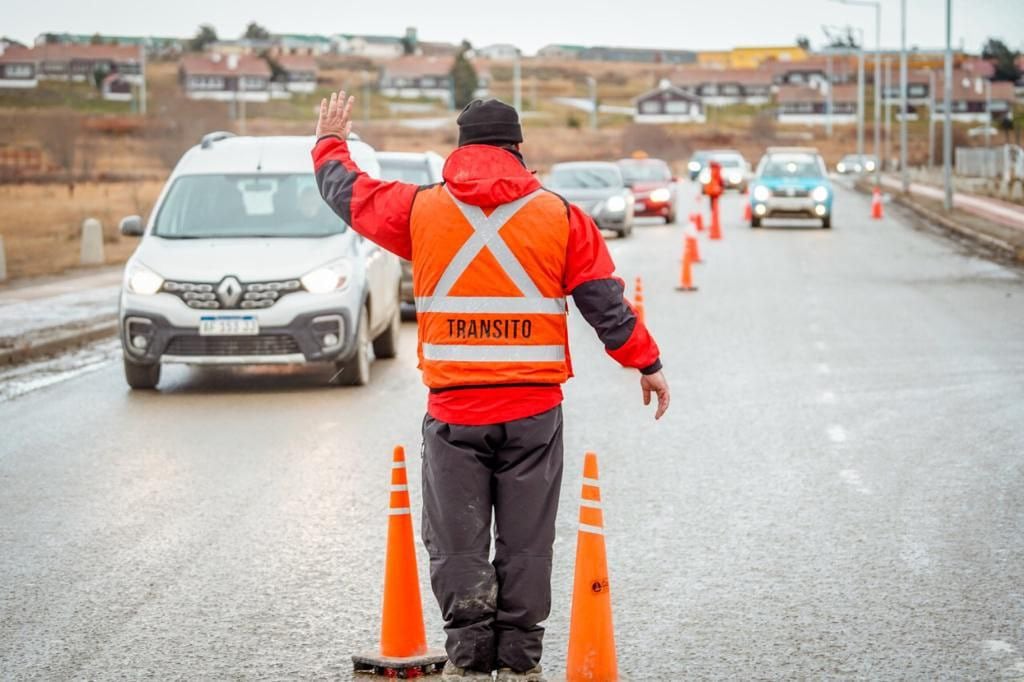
(735,177)
(762,193)
(705,176)
(333,276)
(141,280)
(694,166)
(661,195)
(869,165)
(616,204)
(820,193)
(841,167)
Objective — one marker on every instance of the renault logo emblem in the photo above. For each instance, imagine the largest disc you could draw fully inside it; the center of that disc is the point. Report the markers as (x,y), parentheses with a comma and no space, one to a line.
(229,291)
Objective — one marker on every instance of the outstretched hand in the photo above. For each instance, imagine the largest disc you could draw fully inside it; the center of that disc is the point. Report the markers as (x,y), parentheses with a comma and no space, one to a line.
(657,384)
(335,116)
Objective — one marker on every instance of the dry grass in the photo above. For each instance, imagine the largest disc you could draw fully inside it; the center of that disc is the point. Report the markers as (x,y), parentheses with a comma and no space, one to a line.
(41,224)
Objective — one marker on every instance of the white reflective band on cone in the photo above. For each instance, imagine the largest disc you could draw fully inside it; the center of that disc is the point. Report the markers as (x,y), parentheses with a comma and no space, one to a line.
(399,488)
(466,353)
(398,511)
(593,530)
(398,465)
(591,481)
(510,305)
(593,504)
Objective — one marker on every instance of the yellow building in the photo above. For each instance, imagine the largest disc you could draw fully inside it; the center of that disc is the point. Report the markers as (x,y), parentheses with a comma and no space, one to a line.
(750,57)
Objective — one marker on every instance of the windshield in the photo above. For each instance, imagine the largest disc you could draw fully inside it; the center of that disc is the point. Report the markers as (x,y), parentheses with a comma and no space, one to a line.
(645,171)
(234,205)
(792,166)
(585,177)
(729,161)
(406,171)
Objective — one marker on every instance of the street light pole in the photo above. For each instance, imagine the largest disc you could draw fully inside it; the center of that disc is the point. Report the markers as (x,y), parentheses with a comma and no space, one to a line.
(904,176)
(947,124)
(860,99)
(878,78)
(888,111)
(828,102)
(931,120)
(988,113)
(592,82)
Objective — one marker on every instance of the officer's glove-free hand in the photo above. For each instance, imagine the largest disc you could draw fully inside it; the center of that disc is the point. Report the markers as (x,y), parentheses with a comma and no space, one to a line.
(657,384)
(335,116)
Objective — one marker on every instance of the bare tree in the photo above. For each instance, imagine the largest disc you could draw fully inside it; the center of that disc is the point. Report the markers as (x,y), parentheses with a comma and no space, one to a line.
(59,135)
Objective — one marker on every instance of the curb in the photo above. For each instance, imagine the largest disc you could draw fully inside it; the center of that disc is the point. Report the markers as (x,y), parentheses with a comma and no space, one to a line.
(1014,252)
(58,339)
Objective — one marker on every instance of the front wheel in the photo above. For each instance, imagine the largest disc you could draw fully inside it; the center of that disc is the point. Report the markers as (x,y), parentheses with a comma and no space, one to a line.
(386,345)
(755,222)
(141,377)
(356,370)
(826,222)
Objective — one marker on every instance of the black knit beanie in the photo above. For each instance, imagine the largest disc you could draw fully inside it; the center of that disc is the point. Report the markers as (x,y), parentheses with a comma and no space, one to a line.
(489,122)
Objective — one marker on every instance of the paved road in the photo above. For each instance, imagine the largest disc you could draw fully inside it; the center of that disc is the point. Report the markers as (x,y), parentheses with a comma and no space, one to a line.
(836,491)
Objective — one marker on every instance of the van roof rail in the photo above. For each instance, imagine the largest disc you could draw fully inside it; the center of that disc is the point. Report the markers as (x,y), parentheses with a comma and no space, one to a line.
(216,136)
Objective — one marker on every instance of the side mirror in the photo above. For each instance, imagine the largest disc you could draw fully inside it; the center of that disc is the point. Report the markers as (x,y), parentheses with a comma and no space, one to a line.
(131,226)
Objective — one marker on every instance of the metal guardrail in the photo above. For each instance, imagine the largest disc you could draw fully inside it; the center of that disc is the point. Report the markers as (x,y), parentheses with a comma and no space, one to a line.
(1005,162)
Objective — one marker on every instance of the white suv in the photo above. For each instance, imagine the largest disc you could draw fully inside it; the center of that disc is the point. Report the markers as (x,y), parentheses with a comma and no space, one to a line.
(242,262)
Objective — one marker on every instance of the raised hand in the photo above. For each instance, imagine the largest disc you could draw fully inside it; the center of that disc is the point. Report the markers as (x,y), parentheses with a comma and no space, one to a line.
(335,116)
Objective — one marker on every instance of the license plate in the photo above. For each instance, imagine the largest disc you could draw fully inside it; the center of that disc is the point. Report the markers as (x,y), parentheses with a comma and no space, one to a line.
(229,325)
(791,204)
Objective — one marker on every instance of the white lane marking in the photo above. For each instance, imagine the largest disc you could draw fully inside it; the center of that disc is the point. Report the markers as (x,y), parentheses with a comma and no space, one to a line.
(837,434)
(31,376)
(852,478)
(823,368)
(820,345)
(827,398)
(998,646)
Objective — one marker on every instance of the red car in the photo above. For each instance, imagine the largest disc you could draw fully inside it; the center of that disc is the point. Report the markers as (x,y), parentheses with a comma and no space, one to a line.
(653,186)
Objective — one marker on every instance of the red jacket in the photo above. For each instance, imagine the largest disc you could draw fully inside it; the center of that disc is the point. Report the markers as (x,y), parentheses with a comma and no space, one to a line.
(488,177)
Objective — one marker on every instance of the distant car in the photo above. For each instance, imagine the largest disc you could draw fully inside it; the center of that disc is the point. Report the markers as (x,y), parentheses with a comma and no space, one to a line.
(791,184)
(735,169)
(697,163)
(653,186)
(597,188)
(419,169)
(852,163)
(242,263)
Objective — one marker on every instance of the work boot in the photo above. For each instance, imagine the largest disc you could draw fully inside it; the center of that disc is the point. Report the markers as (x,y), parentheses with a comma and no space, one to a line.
(534,674)
(453,673)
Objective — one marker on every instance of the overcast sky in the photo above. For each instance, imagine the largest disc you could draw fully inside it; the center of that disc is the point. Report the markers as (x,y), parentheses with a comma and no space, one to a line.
(530,24)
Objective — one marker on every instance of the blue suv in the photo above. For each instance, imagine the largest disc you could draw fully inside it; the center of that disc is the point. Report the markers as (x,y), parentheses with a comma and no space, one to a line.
(791,183)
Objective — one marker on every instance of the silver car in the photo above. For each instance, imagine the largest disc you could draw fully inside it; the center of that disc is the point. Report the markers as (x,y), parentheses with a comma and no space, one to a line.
(599,189)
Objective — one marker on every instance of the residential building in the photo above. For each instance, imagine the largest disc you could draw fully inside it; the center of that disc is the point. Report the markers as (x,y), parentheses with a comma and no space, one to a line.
(116,88)
(370,47)
(164,46)
(814,70)
(300,72)
(668,104)
(18,68)
(72,61)
(643,55)
(970,98)
(501,52)
(225,77)
(426,48)
(306,44)
(803,104)
(559,51)
(724,87)
(750,57)
(417,77)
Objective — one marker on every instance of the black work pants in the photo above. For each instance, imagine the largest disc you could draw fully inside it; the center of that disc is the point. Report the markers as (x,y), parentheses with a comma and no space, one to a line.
(492,610)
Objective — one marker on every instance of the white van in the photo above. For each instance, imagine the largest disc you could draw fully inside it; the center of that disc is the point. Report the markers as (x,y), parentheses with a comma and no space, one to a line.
(242,263)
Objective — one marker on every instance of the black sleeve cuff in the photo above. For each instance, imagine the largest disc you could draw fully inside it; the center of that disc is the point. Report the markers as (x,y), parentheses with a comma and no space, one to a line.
(652,368)
(324,137)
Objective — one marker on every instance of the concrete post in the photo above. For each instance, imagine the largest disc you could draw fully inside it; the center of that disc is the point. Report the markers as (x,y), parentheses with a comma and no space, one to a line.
(92,243)
(3,261)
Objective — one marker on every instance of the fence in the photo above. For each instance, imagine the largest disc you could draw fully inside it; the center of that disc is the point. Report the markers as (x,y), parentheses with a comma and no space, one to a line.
(1005,162)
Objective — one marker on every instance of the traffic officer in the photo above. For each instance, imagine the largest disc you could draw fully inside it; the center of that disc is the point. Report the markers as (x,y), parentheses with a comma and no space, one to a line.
(494,256)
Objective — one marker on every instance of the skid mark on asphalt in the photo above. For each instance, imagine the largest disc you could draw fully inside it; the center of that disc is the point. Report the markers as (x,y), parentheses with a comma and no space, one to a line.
(852,478)
(33,376)
(837,434)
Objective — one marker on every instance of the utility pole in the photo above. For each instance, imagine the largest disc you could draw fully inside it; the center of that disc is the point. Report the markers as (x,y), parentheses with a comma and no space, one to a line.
(828,102)
(988,113)
(860,100)
(931,120)
(904,176)
(888,112)
(877,5)
(947,124)
(517,85)
(592,82)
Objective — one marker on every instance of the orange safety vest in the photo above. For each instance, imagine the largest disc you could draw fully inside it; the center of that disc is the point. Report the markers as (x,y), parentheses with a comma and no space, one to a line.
(489,290)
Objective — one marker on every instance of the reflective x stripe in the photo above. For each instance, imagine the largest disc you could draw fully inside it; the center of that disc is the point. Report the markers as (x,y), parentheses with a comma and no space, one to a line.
(485,234)
(465,353)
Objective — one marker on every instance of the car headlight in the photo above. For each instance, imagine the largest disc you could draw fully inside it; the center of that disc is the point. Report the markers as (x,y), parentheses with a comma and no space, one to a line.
(142,280)
(661,195)
(820,193)
(735,177)
(615,204)
(705,176)
(869,165)
(694,166)
(762,193)
(841,167)
(333,276)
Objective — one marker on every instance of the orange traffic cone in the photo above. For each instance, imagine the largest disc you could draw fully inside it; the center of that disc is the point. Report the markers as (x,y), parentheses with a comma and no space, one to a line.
(747,214)
(639,300)
(692,247)
(716,226)
(686,273)
(591,655)
(403,641)
(876,204)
